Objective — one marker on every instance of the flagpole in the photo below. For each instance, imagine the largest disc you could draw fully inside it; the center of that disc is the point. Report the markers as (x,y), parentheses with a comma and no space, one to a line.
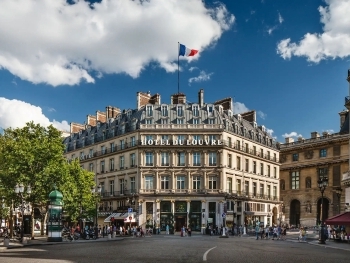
(178,67)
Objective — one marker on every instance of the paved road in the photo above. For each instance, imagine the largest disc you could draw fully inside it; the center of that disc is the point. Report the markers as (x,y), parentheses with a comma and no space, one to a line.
(176,249)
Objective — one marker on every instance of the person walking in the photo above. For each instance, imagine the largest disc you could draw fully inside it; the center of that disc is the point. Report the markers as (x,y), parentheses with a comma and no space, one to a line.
(167,230)
(257,231)
(189,231)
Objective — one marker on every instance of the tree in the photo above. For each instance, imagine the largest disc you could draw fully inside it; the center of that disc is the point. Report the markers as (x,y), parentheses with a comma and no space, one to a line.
(33,155)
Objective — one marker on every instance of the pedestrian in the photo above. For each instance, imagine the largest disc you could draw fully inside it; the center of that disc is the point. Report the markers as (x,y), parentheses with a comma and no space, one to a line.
(257,229)
(189,231)
(167,230)
(240,230)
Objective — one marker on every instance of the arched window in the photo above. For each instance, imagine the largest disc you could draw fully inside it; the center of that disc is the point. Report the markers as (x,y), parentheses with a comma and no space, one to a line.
(308,182)
(283,185)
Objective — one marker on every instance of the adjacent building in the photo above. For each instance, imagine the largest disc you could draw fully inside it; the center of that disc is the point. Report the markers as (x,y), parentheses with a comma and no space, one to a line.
(181,163)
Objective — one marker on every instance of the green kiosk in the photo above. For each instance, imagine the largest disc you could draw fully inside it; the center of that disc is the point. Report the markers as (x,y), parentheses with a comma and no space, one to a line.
(55,216)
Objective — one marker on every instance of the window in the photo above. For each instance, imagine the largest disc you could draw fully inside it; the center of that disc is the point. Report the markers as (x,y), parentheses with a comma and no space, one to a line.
(246,187)
(268,170)
(275,192)
(195,110)
(212,159)
(238,145)
(164,110)
(132,160)
(180,182)
(254,189)
(111,187)
(212,182)
(164,121)
(323,153)
(196,159)
(246,148)
(261,190)
(211,121)
(196,137)
(132,184)
(229,160)
(165,137)
(122,144)
(261,168)
(275,157)
(180,121)
(102,166)
(122,186)
(238,186)
(283,185)
(268,155)
(91,153)
(165,158)
(211,137)
(148,121)
(180,159)
(164,182)
(229,185)
(268,191)
(254,167)
(210,110)
(149,137)
(295,180)
(133,141)
(149,159)
(274,172)
(195,121)
(261,152)
(181,138)
(196,182)
(102,187)
(111,164)
(121,162)
(322,172)
(308,182)
(229,142)
(238,164)
(295,157)
(149,182)
(91,167)
(180,111)
(112,146)
(103,149)
(254,150)
(149,111)
(247,165)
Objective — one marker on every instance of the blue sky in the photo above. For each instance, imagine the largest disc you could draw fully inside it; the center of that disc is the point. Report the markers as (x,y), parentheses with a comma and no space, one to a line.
(287,60)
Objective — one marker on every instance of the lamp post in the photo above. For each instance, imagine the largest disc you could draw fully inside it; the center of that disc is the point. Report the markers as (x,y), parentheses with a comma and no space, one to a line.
(322,184)
(19,190)
(281,213)
(338,192)
(97,193)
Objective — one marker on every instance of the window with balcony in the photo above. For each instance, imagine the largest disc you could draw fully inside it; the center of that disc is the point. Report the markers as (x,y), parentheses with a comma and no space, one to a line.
(196,182)
(132,184)
(274,172)
(133,141)
(195,110)
(268,191)
(196,158)
(295,157)
(148,121)
(132,160)
(180,159)
(261,168)
(122,144)
(261,190)
(164,182)
(211,121)
(229,185)
(268,170)
(180,182)
(111,187)
(246,146)
(238,163)
(295,179)
(180,121)
(164,110)
(111,146)
(229,140)
(238,186)
(195,121)
(246,187)
(212,137)
(254,189)
(102,166)
(254,150)
(121,162)
(238,144)
(212,158)
(91,167)
(164,121)
(212,182)
(149,159)
(111,164)
(122,186)
(254,167)
(323,153)
(180,111)
(165,159)
(274,192)
(91,153)
(103,149)
(229,160)
(247,165)
(149,137)
(148,182)
(149,110)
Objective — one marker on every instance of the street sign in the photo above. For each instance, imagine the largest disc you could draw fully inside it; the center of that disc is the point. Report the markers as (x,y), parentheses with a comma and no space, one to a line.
(223,215)
(129,210)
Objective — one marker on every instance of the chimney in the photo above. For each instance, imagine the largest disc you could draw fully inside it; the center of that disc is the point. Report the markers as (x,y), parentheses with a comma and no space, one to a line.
(342,117)
(226,103)
(249,116)
(112,112)
(76,127)
(289,140)
(91,120)
(101,116)
(300,139)
(325,134)
(314,135)
(201,97)
(179,98)
(146,98)
(155,99)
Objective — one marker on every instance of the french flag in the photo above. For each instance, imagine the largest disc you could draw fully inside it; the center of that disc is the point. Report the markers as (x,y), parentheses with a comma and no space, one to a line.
(187,52)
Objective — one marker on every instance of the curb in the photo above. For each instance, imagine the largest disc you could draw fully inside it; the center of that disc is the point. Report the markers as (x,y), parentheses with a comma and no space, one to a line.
(327,246)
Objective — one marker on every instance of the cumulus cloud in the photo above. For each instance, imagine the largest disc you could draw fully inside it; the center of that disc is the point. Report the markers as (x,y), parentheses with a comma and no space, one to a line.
(16,113)
(203,76)
(192,68)
(292,134)
(239,107)
(333,42)
(261,115)
(58,43)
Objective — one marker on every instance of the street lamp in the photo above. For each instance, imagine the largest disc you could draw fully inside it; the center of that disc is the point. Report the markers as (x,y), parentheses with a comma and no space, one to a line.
(338,192)
(19,190)
(96,192)
(281,213)
(322,184)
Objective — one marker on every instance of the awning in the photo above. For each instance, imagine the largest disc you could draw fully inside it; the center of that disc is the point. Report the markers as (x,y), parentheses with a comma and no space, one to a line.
(341,219)
(121,216)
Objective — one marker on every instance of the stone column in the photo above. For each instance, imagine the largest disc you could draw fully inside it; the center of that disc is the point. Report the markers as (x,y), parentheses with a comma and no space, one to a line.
(189,186)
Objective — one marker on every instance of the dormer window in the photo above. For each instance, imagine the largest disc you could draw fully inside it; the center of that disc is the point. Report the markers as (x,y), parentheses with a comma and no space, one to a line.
(128,114)
(221,109)
(149,110)
(98,125)
(195,110)
(88,128)
(110,121)
(180,111)
(239,117)
(263,128)
(210,109)
(229,113)
(80,132)
(164,110)
(255,124)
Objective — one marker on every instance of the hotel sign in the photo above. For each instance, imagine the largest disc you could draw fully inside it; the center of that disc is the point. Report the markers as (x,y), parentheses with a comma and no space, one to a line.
(181,142)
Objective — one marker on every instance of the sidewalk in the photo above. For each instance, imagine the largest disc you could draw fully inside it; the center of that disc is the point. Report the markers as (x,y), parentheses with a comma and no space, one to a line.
(42,240)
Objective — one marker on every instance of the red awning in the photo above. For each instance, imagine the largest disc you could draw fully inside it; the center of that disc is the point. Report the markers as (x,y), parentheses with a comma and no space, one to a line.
(341,219)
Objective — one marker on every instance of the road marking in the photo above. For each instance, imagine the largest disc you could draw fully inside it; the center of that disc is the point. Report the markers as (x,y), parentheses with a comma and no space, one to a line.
(206,253)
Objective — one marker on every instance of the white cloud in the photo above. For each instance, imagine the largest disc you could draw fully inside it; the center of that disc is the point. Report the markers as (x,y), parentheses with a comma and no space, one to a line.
(271,29)
(192,68)
(239,107)
(280,18)
(333,43)
(203,76)
(16,113)
(261,115)
(52,110)
(63,44)
(292,134)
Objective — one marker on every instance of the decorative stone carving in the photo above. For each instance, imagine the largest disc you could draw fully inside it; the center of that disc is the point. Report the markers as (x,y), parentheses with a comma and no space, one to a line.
(283,158)
(309,154)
